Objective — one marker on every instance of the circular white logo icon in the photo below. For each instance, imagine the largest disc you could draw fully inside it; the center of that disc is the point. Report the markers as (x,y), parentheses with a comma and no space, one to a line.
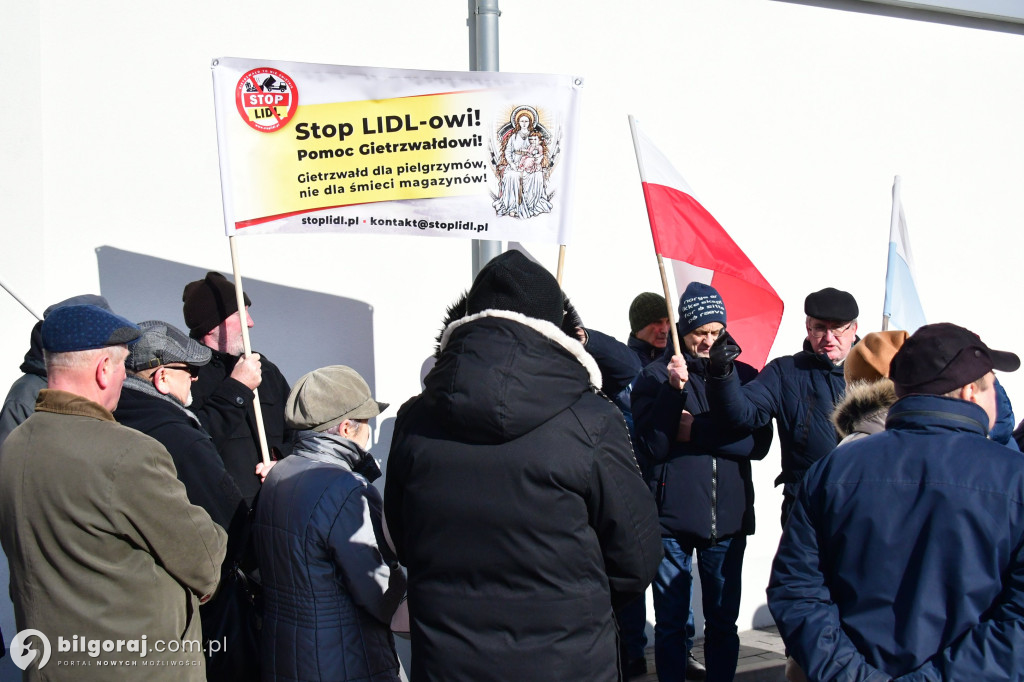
(25,650)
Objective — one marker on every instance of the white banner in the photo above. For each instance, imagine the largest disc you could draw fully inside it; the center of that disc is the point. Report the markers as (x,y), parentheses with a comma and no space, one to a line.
(319,148)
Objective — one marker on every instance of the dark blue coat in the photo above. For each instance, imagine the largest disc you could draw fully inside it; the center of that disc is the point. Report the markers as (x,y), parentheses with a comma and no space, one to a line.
(905,551)
(800,392)
(703,488)
(329,591)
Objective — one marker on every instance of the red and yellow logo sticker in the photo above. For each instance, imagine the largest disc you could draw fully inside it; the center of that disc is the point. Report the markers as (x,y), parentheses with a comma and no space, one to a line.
(266,99)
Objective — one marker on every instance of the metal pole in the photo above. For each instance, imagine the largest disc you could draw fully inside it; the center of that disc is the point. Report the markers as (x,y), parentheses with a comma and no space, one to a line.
(483,56)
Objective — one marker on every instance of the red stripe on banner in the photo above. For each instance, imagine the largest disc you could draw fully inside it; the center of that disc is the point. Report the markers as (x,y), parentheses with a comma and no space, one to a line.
(684,230)
(271,218)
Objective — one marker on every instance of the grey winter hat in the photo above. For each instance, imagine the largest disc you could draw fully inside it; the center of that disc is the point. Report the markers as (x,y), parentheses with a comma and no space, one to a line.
(162,344)
(328,396)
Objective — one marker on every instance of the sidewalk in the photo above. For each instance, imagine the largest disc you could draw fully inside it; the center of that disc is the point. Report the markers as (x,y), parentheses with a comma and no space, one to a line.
(762,657)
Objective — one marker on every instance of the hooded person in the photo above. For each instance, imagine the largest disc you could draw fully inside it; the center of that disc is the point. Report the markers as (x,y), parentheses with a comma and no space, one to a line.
(330,583)
(869,390)
(513,497)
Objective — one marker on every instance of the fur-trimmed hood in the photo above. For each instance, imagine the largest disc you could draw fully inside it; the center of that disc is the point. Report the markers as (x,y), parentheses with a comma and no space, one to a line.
(500,374)
(864,407)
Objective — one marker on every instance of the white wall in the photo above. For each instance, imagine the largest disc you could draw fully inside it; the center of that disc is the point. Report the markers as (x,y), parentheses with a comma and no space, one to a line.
(788,121)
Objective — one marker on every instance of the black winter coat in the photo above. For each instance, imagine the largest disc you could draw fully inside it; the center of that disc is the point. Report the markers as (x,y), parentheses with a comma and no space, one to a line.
(703,488)
(208,485)
(224,407)
(515,503)
(199,466)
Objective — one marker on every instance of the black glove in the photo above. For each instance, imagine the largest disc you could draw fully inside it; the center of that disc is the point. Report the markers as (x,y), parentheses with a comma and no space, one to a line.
(723,351)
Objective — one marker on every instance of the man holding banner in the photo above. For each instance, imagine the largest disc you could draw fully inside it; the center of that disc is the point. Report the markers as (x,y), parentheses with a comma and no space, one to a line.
(223,394)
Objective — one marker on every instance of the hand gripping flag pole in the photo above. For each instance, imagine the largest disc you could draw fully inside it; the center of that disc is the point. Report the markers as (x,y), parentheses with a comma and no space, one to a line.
(240,300)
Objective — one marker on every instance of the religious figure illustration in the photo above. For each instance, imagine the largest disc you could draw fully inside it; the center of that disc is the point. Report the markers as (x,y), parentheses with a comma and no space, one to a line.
(522,156)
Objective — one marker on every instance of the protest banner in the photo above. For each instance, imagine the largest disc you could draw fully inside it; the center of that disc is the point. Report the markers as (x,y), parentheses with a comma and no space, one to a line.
(320,148)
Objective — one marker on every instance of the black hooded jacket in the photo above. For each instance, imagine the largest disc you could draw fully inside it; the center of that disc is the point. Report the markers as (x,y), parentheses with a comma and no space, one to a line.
(515,503)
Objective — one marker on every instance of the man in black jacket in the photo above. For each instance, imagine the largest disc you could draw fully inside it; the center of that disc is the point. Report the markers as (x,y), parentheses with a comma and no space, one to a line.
(703,488)
(224,391)
(513,497)
(162,366)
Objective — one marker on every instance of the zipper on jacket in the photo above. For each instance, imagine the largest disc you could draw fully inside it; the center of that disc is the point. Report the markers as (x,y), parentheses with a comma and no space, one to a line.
(714,498)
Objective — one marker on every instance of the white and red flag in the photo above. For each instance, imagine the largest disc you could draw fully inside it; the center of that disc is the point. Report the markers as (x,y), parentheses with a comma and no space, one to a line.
(701,250)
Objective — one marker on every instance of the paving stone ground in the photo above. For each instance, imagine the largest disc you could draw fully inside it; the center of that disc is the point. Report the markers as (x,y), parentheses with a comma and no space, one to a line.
(762,657)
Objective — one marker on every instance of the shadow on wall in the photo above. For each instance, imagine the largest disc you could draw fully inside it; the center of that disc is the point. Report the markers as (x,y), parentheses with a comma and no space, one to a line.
(298,330)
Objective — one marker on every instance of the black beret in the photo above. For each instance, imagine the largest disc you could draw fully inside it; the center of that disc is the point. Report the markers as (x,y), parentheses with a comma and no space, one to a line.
(832,305)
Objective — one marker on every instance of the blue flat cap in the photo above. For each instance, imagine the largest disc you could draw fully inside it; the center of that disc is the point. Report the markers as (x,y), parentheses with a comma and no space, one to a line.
(84,327)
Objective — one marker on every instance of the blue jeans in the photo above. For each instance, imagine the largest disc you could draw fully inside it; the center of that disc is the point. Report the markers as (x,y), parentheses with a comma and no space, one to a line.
(721,567)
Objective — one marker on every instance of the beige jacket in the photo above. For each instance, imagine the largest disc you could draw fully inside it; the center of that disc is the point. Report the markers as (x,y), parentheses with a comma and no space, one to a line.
(103,544)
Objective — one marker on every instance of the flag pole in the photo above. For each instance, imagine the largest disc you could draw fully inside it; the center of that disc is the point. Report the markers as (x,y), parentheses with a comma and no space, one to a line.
(243,314)
(661,261)
(23,304)
(894,221)
(561,263)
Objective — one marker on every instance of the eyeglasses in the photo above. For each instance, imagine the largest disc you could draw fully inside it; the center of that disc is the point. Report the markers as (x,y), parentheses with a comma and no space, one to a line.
(193,370)
(819,331)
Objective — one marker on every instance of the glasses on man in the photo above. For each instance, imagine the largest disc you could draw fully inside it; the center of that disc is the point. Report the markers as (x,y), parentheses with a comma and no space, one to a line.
(193,370)
(819,331)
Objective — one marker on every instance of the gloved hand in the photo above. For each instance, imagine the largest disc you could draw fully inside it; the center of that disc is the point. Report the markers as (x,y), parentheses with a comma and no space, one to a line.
(723,351)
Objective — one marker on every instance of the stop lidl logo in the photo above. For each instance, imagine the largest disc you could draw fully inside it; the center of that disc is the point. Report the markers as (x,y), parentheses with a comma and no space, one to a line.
(266,99)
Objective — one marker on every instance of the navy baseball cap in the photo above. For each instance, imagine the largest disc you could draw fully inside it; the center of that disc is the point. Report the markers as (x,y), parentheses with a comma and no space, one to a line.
(85,327)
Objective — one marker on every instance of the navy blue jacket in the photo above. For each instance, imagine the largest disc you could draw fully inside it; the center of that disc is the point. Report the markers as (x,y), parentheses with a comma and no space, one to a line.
(800,392)
(905,552)
(330,585)
(703,488)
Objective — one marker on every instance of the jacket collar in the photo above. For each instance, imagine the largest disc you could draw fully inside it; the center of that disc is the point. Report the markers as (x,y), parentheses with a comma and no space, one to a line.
(543,327)
(134,383)
(863,407)
(824,359)
(63,402)
(934,412)
(332,449)
(641,347)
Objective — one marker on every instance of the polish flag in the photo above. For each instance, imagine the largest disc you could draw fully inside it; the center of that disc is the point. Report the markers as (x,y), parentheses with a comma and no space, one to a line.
(701,250)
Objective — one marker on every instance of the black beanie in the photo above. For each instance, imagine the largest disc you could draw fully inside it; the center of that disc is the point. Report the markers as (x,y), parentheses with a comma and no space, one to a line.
(511,281)
(208,302)
(646,308)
